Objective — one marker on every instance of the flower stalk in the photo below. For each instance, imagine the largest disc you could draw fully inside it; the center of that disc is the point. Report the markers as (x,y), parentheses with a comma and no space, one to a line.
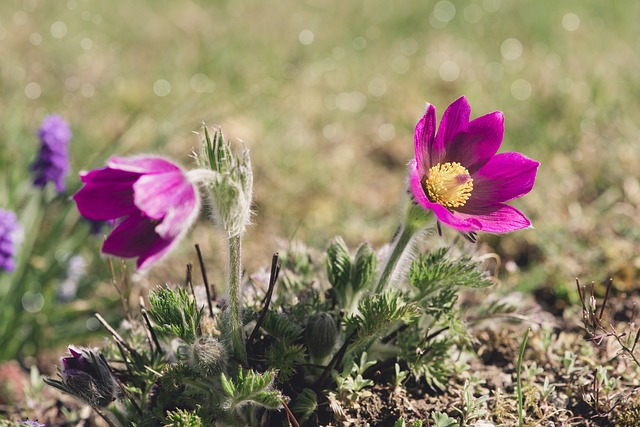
(229,189)
(416,220)
(235,308)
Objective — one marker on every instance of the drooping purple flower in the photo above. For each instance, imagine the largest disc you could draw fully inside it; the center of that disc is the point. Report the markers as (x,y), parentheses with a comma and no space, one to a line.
(52,163)
(86,374)
(152,200)
(458,175)
(9,234)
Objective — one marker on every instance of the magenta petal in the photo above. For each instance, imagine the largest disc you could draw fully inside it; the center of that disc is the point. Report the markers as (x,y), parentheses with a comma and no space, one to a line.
(454,121)
(154,254)
(423,137)
(473,148)
(499,218)
(505,177)
(169,197)
(415,185)
(136,237)
(143,164)
(107,194)
(133,236)
(462,223)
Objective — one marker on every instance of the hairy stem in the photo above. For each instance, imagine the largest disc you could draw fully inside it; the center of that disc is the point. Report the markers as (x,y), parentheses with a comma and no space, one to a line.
(235,314)
(402,242)
(415,221)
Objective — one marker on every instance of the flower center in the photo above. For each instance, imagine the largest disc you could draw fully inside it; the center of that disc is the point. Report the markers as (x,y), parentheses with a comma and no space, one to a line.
(448,184)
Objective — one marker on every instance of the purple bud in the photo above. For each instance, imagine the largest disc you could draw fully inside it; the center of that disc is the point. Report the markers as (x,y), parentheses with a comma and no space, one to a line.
(10,231)
(52,164)
(88,377)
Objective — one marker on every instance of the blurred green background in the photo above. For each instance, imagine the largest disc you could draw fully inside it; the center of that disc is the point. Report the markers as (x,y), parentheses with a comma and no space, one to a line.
(326,94)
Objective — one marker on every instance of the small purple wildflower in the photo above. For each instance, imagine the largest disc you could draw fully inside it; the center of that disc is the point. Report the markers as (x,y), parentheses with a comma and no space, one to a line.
(52,164)
(152,200)
(9,233)
(30,423)
(458,175)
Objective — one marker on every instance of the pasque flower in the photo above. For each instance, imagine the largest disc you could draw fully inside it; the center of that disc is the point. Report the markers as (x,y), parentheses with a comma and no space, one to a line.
(152,200)
(52,163)
(458,175)
(9,234)
(86,375)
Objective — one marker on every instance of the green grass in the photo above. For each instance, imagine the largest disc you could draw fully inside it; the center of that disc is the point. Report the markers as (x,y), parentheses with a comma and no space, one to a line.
(330,124)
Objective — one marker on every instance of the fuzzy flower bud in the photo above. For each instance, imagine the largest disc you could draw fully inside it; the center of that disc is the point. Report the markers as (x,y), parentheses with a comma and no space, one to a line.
(87,376)
(207,356)
(10,232)
(230,187)
(364,268)
(52,164)
(320,335)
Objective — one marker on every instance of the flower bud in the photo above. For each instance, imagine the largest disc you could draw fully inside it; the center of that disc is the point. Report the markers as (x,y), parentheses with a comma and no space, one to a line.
(338,264)
(364,268)
(88,377)
(231,188)
(320,335)
(207,355)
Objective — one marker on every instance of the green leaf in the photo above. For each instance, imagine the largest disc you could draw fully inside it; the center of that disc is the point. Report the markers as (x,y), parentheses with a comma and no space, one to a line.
(251,387)
(305,403)
(284,358)
(174,312)
(338,264)
(376,313)
(433,271)
(281,327)
(443,420)
(182,418)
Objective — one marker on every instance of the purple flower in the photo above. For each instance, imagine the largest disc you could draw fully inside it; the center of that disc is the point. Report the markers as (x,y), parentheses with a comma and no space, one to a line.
(152,200)
(9,234)
(52,164)
(30,423)
(86,374)
(458,175)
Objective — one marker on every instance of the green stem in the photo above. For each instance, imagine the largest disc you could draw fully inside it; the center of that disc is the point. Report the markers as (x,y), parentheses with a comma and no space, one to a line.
(416,219)
(523,346)
(235,314)
(401,244)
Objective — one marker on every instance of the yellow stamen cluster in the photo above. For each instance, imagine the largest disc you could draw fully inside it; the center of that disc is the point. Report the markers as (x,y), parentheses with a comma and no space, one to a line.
(448,184)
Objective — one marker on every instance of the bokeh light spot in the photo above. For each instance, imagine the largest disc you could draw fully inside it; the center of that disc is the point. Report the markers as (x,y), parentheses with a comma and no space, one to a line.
(32,90)
(86,43)
(472,13)
(306,37)
(521,89)
(161,87)
(386,132)
(58,29)
(511,49)
(35,39)
(32,301)
(333,132)
(449,71)
(377,87)
(444,11)
(571,22)
(359,43)
(200,83)
(351,101)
